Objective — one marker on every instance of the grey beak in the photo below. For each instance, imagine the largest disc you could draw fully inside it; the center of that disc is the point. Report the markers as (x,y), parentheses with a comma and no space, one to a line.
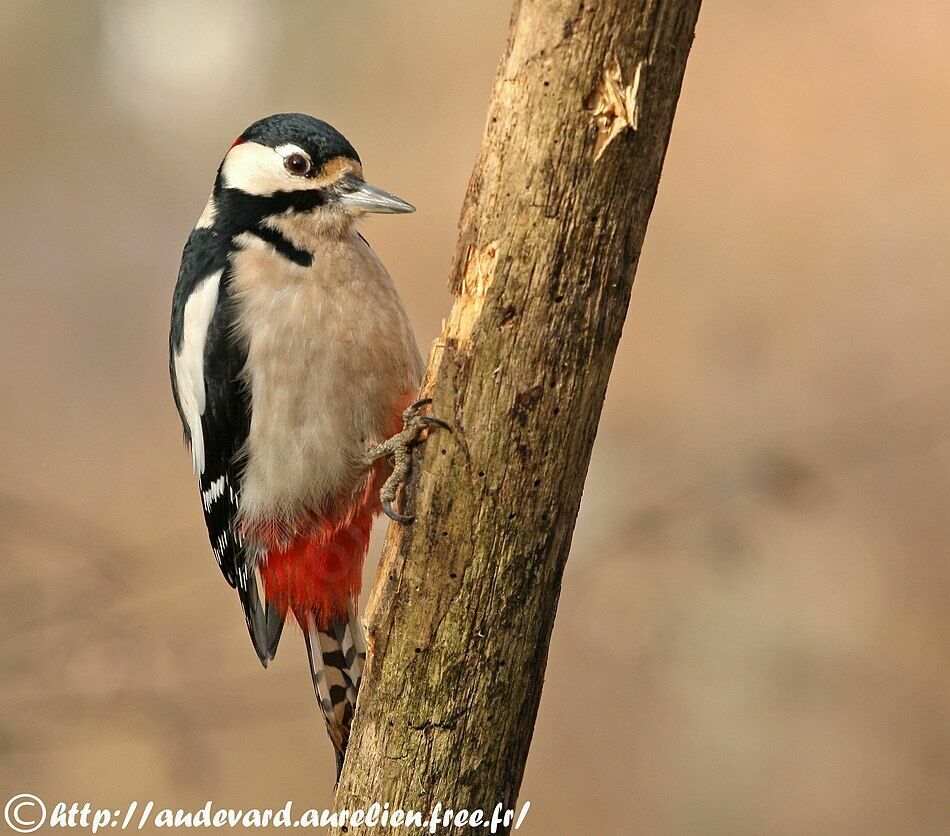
(359,196)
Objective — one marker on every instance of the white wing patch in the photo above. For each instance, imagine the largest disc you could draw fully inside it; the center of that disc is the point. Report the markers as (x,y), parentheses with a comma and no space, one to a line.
(190,359)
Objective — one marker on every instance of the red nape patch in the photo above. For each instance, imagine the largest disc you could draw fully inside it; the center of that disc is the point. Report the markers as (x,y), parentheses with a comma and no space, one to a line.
(318,573)
(239,141)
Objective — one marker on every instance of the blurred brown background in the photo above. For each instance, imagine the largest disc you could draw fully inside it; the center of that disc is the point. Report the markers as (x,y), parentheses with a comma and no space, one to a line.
(759,583)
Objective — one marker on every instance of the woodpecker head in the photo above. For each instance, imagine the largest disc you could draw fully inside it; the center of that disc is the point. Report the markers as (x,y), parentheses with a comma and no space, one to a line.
(300,169)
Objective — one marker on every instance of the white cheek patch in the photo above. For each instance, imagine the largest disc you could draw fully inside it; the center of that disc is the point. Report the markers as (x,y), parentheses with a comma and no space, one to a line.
(190,358)
(259,170)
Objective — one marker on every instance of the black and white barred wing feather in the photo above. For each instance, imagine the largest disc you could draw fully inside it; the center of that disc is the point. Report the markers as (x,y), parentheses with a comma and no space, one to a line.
(206,364)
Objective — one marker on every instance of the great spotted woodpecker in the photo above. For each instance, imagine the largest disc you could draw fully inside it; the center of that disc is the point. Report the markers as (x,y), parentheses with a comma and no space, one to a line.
(294,366)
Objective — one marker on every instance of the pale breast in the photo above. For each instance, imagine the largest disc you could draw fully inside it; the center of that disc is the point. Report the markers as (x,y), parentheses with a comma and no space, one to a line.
(331,361)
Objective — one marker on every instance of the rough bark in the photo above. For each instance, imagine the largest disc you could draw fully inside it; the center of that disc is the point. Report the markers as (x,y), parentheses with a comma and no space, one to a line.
(550,235)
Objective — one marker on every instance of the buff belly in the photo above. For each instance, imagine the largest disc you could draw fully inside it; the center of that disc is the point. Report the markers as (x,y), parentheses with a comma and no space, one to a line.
(331,364)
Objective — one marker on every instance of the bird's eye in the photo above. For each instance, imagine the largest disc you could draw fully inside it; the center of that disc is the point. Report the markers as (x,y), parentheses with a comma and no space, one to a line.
(297,164)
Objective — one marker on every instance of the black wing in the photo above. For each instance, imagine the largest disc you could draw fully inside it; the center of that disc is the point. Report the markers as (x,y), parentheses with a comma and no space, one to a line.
(224,425)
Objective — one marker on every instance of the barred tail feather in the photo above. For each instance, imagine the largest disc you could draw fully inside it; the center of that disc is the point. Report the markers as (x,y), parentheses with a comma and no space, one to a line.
(337,654)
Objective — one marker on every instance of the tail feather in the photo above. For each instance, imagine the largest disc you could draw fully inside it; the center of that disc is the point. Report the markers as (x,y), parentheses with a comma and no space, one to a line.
(264,622)
(273,625)
(337,654)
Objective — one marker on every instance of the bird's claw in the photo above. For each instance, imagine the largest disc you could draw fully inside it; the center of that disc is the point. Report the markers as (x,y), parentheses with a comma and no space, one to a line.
(397,450)
(432,421)
(395,516)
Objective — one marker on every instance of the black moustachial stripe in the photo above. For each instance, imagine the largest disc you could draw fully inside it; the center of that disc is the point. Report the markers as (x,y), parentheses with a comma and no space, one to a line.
(283,246)
(239,212)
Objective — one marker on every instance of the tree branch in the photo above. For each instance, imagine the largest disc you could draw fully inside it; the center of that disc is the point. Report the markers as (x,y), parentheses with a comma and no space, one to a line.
(550,235)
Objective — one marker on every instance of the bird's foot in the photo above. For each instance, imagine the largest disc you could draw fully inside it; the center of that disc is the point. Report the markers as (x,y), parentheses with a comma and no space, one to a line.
(398,448)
